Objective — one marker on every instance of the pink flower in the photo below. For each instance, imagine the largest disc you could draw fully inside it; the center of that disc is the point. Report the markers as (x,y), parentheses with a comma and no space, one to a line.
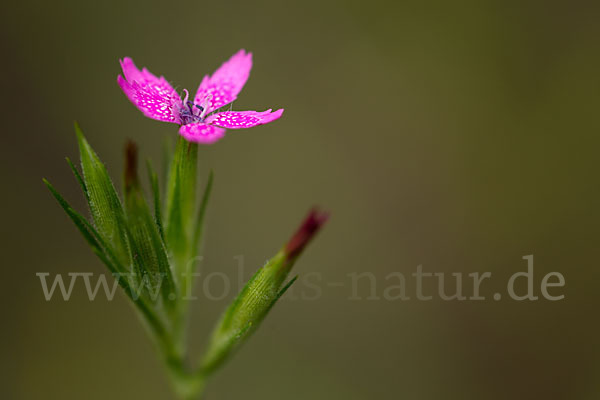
(157,99)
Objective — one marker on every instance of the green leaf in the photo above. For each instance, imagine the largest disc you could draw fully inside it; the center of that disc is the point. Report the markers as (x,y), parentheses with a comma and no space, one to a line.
(156,198)
(79,178)
(100,249)
(89,234)
(147,247)
(149,254)
(103,200)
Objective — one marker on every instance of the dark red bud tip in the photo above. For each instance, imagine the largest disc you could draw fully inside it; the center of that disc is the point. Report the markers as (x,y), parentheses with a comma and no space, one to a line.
(130,164)
(311,225)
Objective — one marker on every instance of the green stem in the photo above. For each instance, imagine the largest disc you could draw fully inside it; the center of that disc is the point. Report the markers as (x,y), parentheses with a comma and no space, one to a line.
(180,235)
(187,385)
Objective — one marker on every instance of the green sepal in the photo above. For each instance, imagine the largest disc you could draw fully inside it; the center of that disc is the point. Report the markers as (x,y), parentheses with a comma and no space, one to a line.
(247,311)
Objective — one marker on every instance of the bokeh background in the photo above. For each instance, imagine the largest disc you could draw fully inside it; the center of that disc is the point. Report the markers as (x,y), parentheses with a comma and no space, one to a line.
(460,136)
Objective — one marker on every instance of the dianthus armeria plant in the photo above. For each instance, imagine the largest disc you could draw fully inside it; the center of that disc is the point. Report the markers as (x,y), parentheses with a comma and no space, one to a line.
(149,245)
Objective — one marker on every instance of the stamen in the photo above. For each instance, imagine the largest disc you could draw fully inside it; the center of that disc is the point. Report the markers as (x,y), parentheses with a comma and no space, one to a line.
(190,105)
(204,104)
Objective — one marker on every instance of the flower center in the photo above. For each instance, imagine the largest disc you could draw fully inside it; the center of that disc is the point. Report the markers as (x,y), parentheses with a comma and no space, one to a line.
(190,112)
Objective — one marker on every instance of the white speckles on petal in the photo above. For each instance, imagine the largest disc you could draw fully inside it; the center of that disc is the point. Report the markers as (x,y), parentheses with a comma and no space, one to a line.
(157,99)
(152,95)
(201,133)
(243,119)
(227,81)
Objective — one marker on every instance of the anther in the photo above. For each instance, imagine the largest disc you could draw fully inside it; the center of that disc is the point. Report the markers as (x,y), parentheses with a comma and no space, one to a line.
(190,105)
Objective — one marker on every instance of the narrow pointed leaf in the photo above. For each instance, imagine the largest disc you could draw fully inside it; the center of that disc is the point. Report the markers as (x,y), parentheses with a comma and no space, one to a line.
(156,199)
(147,247)
(79,178)
(104,202)
(98,247)
(89,233)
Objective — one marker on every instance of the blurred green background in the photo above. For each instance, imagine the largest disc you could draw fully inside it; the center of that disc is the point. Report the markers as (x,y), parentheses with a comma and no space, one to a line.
(457,135)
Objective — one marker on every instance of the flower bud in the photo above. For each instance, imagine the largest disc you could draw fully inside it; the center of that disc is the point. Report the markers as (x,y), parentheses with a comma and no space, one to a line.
(260,294)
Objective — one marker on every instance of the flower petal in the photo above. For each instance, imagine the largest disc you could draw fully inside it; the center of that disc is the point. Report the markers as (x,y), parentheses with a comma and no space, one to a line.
(151,95)
(143,77)
(201,133)
(225,84)
(153,103)
(243,119)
